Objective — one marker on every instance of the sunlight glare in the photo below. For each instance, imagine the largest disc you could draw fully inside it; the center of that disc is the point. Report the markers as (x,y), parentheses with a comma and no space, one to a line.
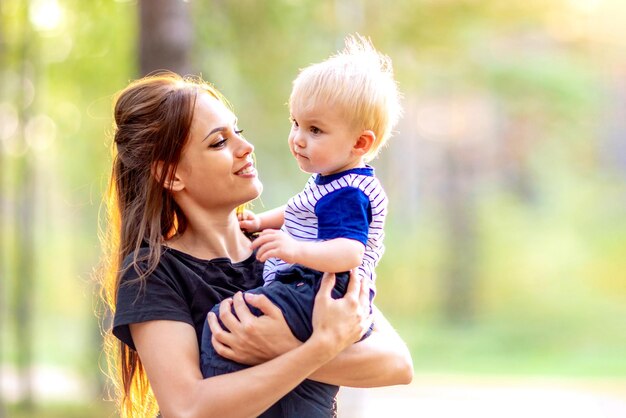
(45,15)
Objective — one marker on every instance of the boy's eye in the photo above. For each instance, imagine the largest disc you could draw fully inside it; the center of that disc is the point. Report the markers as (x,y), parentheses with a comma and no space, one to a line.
(315,130)
(294,122)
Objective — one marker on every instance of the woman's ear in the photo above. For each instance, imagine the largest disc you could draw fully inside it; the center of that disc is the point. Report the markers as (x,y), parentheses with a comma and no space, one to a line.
(171,182)
(364,142)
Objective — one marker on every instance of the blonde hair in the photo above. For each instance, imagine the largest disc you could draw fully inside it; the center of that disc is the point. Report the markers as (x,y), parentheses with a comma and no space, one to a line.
(359,82)
(153,118)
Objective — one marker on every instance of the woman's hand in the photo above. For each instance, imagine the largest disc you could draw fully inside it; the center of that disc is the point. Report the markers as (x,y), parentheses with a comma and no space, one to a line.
(341,322)
(252,340)
(382,359)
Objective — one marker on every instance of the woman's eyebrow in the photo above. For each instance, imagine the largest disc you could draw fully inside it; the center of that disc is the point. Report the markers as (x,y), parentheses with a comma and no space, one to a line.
(218,129)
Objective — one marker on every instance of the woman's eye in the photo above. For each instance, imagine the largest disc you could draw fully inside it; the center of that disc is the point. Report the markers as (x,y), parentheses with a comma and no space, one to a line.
(218,144)
(238,131)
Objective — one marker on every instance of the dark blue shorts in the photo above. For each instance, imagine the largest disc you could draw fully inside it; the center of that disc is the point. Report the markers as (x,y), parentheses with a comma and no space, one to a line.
(293,292)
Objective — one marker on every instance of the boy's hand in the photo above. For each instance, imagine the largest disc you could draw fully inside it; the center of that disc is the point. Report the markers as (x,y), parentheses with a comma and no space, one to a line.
(249,221)
(276,243)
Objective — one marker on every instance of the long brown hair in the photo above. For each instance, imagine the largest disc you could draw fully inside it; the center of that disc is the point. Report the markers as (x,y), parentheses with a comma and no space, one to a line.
(152,121)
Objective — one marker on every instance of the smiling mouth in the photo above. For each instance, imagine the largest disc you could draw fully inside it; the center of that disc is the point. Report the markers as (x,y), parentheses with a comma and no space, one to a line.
(248,169)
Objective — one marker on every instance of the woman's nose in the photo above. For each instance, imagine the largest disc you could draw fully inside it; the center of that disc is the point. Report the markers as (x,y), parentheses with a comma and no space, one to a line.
(245,148)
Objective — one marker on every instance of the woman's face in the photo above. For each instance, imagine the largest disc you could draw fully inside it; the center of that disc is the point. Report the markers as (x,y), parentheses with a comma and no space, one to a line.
(216,166)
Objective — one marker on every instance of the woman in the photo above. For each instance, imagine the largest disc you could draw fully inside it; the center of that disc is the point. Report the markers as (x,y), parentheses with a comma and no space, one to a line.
(180,170)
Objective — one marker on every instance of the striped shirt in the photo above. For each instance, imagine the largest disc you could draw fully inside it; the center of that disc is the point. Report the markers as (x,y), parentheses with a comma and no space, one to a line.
(351,204)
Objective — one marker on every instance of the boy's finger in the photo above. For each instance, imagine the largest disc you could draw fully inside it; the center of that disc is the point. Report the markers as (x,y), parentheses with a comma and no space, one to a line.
(260,240)
(266,250)
(264,254)
(246,224)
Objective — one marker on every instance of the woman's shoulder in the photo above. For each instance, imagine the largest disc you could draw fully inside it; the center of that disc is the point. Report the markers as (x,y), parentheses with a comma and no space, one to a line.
(151,263)
(139,260)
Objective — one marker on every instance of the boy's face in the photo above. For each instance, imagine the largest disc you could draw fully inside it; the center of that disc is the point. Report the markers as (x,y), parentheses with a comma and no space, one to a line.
(322,140)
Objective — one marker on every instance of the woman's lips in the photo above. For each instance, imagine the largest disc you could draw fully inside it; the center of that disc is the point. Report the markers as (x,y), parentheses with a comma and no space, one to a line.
(247,170)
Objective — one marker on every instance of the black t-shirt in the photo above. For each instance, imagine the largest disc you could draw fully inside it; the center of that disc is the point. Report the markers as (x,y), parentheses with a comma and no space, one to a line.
(182,288)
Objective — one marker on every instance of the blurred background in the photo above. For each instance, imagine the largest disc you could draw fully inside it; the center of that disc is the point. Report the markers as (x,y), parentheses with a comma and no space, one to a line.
(505,268)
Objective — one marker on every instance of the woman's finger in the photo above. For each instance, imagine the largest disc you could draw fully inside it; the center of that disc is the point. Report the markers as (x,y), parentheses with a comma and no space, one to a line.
(227,316)
(327,284)
(354,287)
(262,303)
(218,333)
(241,309)
(222,349)
(214,324)
(364,291)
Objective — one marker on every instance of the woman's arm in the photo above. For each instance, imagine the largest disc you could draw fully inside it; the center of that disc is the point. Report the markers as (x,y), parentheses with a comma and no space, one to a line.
(383,359)
(169,353)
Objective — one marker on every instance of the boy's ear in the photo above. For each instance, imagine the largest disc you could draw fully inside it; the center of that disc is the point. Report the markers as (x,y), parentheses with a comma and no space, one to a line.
(172,182)
(364,142)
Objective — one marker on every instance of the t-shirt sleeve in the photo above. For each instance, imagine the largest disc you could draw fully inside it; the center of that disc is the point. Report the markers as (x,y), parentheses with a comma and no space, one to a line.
(157,298)
(344,213)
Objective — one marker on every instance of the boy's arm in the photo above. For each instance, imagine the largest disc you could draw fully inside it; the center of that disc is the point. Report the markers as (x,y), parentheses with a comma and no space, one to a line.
(335,255)
(271,219)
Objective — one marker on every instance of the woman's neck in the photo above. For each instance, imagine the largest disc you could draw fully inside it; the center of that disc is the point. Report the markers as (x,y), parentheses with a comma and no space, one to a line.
(213,237)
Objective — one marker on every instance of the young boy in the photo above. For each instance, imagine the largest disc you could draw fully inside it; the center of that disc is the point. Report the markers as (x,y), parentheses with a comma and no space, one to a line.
(342,110)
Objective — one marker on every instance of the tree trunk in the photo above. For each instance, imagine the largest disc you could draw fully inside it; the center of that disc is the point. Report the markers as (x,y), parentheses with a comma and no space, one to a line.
(165,36)
(459,273)
(24,238)
(3,269)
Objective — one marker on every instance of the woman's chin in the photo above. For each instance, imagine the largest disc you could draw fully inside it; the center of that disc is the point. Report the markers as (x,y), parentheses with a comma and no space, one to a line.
(256,191)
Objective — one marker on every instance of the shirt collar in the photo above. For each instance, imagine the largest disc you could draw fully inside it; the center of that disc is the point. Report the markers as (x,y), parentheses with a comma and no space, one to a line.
(363,171)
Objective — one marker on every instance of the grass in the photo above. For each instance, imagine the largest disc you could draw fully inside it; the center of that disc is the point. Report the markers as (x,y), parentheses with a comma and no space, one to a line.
(56,410)
(513,349)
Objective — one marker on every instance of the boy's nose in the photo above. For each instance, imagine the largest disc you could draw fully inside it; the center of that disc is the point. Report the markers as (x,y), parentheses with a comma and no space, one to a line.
(299,140)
